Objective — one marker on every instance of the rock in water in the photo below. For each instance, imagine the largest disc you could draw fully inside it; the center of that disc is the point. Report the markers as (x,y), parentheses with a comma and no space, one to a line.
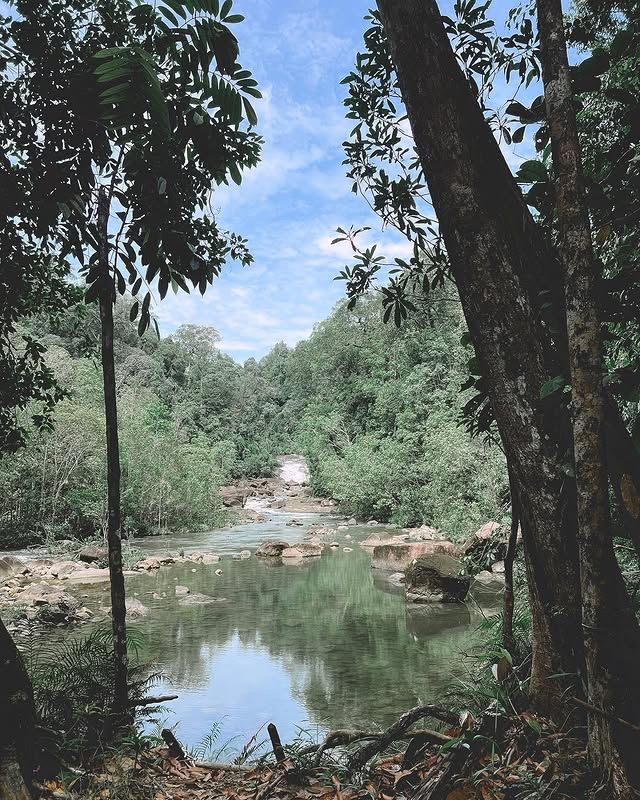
(93,553)
(272,548)
(436,579)
(397,556)
(181,591)
(135,609)
(302,550)
(200,600)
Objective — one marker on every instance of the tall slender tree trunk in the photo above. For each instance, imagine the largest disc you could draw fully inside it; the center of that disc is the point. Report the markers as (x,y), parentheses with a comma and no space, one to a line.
(118,607)
(610,628)
(498,257)
(508,605)
(17,721)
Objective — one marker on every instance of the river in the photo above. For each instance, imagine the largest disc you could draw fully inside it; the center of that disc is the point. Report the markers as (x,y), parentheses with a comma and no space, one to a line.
(323,644)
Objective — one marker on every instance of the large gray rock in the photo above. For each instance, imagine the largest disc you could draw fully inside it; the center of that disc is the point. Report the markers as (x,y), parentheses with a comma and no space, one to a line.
(272,548)
(42,594)
(93,553)
(397,555)
(302,550)
(435,578)
(10,566)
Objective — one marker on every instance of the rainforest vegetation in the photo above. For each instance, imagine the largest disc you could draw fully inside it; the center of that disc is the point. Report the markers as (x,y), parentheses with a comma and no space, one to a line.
(492,374)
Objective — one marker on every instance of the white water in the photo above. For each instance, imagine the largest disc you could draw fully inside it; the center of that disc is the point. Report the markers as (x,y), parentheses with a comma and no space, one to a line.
(293,469)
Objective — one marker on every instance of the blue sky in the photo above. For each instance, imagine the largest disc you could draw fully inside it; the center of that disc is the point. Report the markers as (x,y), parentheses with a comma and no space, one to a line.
(290,205)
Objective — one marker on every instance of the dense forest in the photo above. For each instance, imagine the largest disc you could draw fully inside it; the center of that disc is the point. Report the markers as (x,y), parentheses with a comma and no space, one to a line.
(377,410)
(486,387)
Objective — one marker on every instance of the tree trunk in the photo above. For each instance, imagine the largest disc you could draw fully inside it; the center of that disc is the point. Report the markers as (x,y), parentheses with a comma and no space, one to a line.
(17,722)
(611,632)
(118,608)
(508,639)
(497,255)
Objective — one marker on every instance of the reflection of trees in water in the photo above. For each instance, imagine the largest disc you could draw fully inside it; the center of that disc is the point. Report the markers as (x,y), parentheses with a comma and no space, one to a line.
(353,652)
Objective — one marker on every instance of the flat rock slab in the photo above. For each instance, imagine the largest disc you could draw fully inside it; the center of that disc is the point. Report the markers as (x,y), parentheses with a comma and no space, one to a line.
(41,594)
(396,556)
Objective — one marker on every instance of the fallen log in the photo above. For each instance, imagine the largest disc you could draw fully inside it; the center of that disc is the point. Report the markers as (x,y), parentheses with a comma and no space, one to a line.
(395,731)
(152,701)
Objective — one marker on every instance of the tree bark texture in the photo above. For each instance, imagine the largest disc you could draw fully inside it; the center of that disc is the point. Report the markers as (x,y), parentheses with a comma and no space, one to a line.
(500,261)
(118,607)
(17,722)
(610,628)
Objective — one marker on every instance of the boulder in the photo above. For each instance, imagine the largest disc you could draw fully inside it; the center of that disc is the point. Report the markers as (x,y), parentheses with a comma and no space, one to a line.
(63,569)
(396,556)
(244,554)
(42,594)
(204,558)
(93,553)
(200,600)
(435,578)
(272,548)
(233,496)
(487,530)
(295,523)
(487,583)
(425,533)
(135,609)
(181,591)
(302,550)
(149,564)
(396,578)
(10,566)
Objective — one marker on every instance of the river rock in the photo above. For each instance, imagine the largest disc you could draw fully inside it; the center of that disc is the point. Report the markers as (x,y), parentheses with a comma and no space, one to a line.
(181,591)
(42,594)
(487,583)
(435,578)
(91,575)
(233,496)
(302,550)
(135,609)
(63,569)
(396,556)
(295,523)
(244,554)
(150,563)
(11,566)
(200,600)
(277,503)
(204,558)
(93,553)
(272,548)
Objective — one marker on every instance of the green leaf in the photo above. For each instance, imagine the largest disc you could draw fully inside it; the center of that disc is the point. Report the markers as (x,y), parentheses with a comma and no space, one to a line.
(552,386)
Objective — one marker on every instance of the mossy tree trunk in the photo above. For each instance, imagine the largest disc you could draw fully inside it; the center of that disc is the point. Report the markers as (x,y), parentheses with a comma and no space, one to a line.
(610,629)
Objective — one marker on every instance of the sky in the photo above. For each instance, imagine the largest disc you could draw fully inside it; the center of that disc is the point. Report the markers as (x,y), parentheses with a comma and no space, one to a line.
(290,205)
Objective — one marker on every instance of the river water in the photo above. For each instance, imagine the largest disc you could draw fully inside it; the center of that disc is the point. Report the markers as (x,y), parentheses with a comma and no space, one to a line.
(323,644)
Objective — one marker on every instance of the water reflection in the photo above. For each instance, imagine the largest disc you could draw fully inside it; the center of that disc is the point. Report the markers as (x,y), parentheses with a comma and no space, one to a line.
(319,644)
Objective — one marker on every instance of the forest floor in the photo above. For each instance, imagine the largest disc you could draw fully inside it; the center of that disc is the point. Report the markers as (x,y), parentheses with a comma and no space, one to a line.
(525,759)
